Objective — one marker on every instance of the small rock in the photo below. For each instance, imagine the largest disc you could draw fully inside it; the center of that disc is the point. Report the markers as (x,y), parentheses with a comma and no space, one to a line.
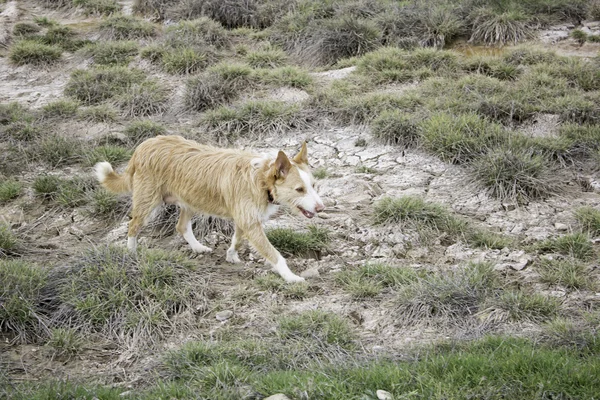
(224,315)
(383,395)
(310,273)
(126,393)
(520,265)
(279,396)
(322,215)
(509,206)
(561,227)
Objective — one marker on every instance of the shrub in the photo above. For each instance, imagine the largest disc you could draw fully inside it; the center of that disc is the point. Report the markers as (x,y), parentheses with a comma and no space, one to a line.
(575,245)
(326,327)
(139,131)
(515,173)
(8,242)
(22,292)
(270,58)
(112,53)
(143,99)
(32,52)
(462,138)
(508,27)
(93,86)
(125,27)
(9,189)
(290,242)
(589,219)
(395,127)
(60,109)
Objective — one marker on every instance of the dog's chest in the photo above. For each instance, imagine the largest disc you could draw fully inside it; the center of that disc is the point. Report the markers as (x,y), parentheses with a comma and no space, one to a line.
(271,210)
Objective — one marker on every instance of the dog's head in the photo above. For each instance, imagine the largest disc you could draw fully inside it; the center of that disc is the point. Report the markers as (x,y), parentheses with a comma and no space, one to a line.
(293,184)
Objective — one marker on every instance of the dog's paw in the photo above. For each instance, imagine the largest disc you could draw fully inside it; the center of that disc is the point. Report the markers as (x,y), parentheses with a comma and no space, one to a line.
(199,248)
(233,257)
(294,279)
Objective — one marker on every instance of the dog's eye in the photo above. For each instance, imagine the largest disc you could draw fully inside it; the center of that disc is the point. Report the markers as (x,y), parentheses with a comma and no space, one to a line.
(300,190)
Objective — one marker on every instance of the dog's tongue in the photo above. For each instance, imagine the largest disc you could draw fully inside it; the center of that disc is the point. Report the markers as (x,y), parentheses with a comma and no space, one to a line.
(307,214)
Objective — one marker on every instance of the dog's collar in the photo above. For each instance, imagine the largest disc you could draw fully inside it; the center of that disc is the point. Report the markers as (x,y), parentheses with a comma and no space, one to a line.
(270,198)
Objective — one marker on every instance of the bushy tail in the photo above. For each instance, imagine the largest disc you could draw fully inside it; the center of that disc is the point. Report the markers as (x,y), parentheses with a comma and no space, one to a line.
(111,180)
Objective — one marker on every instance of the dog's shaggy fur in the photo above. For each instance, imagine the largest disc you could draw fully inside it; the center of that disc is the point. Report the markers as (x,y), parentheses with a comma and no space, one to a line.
(225,183)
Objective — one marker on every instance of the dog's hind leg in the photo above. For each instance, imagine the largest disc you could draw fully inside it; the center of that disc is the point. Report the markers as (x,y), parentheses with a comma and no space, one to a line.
(145,200)
(236,242)
(184,227)
(257,238)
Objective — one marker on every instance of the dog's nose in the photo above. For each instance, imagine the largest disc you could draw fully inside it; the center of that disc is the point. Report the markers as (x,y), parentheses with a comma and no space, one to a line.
(320,207)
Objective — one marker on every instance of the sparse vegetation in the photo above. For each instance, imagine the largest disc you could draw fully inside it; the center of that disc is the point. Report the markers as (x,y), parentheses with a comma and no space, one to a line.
(9,189)
(111,153)
(124,27)
(569,273)
(370,279)
(8,241)
(326,327)
(60,109)
(575,245)
(102,7)
(112,53)
(589,219)
(521,306)
(99,113)
(139,131)
(59,150)
(93,86)
(65,341)
(143,99)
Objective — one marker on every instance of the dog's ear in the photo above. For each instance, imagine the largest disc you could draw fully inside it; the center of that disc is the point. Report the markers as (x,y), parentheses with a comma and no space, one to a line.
(302,156)
(282,165)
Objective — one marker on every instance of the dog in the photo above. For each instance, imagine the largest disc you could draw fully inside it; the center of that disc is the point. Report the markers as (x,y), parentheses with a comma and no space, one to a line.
(227,183)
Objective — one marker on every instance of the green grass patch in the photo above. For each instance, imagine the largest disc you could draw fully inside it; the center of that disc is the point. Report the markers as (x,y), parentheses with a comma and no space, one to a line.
(575,245)
(138,131)
(21,293)
(25,29)
(370,279)
(93,86)
(143,99)
(320,173)
(112,53)
(365,108)
(396,127)
(491,27)
(65,341)
(111,153)
(98,7)
(184,61)
(221,84)
(105,204)
(126,27)
(517,305)
(100,113)
(197,33)
(589,219)
(34,53)
(285,76)
(60,109)
(269,58)
(58,151)
(46,185)
(324,326)
(291,242)
(9,189)
(570,273)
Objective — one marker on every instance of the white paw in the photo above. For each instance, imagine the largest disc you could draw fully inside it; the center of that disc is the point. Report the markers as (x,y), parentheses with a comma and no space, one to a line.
(232,257)
(293,278)
(201,248)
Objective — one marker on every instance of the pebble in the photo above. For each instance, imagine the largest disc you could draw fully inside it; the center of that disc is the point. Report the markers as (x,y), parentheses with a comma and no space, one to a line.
(561,227)
(383,395)
(278,396)
(310,273)
(224,315)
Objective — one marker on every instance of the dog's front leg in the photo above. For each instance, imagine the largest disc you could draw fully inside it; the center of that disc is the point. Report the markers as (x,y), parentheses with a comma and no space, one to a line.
(257,238)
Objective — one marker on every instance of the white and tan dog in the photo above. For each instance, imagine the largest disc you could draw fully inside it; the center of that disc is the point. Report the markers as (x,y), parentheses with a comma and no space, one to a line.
(226,183)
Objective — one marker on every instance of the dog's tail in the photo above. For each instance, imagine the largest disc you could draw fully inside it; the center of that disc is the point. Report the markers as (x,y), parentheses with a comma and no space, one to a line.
(111,180)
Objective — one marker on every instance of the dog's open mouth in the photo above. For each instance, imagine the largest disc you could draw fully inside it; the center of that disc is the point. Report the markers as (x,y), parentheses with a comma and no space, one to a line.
(307,214)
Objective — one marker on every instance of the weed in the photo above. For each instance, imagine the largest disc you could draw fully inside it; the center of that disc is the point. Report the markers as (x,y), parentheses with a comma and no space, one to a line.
(520,306)
(575,245)
(65,341)
(326,327)
(269,58)
(139,131)
(100,113)
(143,99)
(462,138)
(60,109)
(589,219)
(515,173)
(124,27)
(569,273)
(21,293)
(9,189)
(395,127)
(93,86)
(32,52)
(112,53)
(290,242)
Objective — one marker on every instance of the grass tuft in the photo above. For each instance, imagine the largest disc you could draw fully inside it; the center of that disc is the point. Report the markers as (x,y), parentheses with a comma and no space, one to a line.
(100,113)
(589,219)
(112,53)
(60,109)
(143,99)
(370,279)
(569,273)
(139,131)
(521,306)
(59,150)
(9,189)
(269,58)
(291,242)
(493,28)
(395,127)
(324,326)
(65,341)
(35,53)
(111,153)
(124,27)
(575,245)
(93,86)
